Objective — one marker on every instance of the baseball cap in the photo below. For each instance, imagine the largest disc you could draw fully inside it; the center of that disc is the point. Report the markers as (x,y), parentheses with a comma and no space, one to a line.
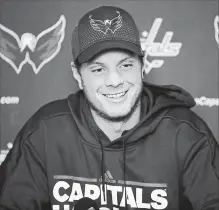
(105,27)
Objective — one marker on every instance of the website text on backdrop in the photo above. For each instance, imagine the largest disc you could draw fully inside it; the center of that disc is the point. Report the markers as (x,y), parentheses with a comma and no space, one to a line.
(120,141)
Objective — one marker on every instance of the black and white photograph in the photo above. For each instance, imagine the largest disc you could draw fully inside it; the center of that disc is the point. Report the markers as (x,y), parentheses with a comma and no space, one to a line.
(109,104)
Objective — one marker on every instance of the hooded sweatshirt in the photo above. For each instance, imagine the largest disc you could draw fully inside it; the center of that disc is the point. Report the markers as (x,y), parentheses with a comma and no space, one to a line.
(169,160)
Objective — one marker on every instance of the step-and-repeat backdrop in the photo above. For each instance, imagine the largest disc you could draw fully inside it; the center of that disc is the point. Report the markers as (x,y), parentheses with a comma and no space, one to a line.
(181,39)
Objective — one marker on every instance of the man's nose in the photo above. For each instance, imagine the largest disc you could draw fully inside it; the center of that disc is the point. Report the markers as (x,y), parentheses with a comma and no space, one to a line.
(113,79)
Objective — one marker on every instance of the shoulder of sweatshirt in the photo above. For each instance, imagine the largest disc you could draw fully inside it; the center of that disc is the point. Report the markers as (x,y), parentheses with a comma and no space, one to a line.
(192,133)
(186,116)
(51,110)
(32,134)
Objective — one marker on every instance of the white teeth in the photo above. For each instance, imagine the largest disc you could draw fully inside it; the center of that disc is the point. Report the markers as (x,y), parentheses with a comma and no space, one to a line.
(115,95)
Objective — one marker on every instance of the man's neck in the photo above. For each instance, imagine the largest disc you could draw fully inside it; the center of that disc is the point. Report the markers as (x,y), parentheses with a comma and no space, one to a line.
(114,129)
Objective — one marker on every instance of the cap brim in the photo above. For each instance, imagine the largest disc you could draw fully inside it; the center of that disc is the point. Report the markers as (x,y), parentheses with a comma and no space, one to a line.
(96,48)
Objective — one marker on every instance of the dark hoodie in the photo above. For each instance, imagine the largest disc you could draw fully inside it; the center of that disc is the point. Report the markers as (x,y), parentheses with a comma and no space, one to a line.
(169,160)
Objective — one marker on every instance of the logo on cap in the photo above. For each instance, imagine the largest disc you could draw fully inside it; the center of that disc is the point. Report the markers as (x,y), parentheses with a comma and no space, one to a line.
(106,25)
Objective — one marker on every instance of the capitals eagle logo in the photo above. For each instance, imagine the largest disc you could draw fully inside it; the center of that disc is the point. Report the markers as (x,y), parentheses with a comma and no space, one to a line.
(35,50)
(106,25)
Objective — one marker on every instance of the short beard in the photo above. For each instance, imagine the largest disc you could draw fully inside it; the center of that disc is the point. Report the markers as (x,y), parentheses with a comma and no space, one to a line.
(115,119)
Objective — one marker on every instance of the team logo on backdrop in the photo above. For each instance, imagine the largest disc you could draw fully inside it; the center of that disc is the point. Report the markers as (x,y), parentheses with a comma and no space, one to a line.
(216,28)
(67,190)
(9,100)
(165,48)
(106,25)
(35,50)
(209,102)
(203,100)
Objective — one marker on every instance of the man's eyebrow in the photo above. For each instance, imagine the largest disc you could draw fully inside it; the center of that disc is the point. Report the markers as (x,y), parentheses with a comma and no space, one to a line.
(102,64)
(124,59)
(95,62)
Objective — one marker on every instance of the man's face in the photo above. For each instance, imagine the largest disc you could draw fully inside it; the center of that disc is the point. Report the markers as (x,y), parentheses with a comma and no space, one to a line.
(112,83)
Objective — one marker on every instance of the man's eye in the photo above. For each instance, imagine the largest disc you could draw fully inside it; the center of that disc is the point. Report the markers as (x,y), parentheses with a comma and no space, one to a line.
(97,70)
(127,65)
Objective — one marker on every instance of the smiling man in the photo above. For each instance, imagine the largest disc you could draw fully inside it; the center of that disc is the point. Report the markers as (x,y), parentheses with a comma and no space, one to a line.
(112,83)
(122,142)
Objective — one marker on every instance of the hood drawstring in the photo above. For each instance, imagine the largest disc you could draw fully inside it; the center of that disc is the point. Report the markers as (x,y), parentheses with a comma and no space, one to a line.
(124,171)
(102,168)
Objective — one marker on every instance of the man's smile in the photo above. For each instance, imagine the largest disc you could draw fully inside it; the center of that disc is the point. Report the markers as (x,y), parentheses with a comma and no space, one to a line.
(116,97)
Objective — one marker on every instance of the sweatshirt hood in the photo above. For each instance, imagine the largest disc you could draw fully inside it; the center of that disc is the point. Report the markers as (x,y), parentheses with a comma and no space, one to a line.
(156,102)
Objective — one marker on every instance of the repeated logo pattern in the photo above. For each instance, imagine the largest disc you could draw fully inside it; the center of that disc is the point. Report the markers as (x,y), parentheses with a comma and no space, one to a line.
(165,48)
(37,51)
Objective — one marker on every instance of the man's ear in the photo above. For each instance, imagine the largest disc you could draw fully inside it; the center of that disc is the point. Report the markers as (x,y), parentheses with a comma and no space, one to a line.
(76,75)
(142,72)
